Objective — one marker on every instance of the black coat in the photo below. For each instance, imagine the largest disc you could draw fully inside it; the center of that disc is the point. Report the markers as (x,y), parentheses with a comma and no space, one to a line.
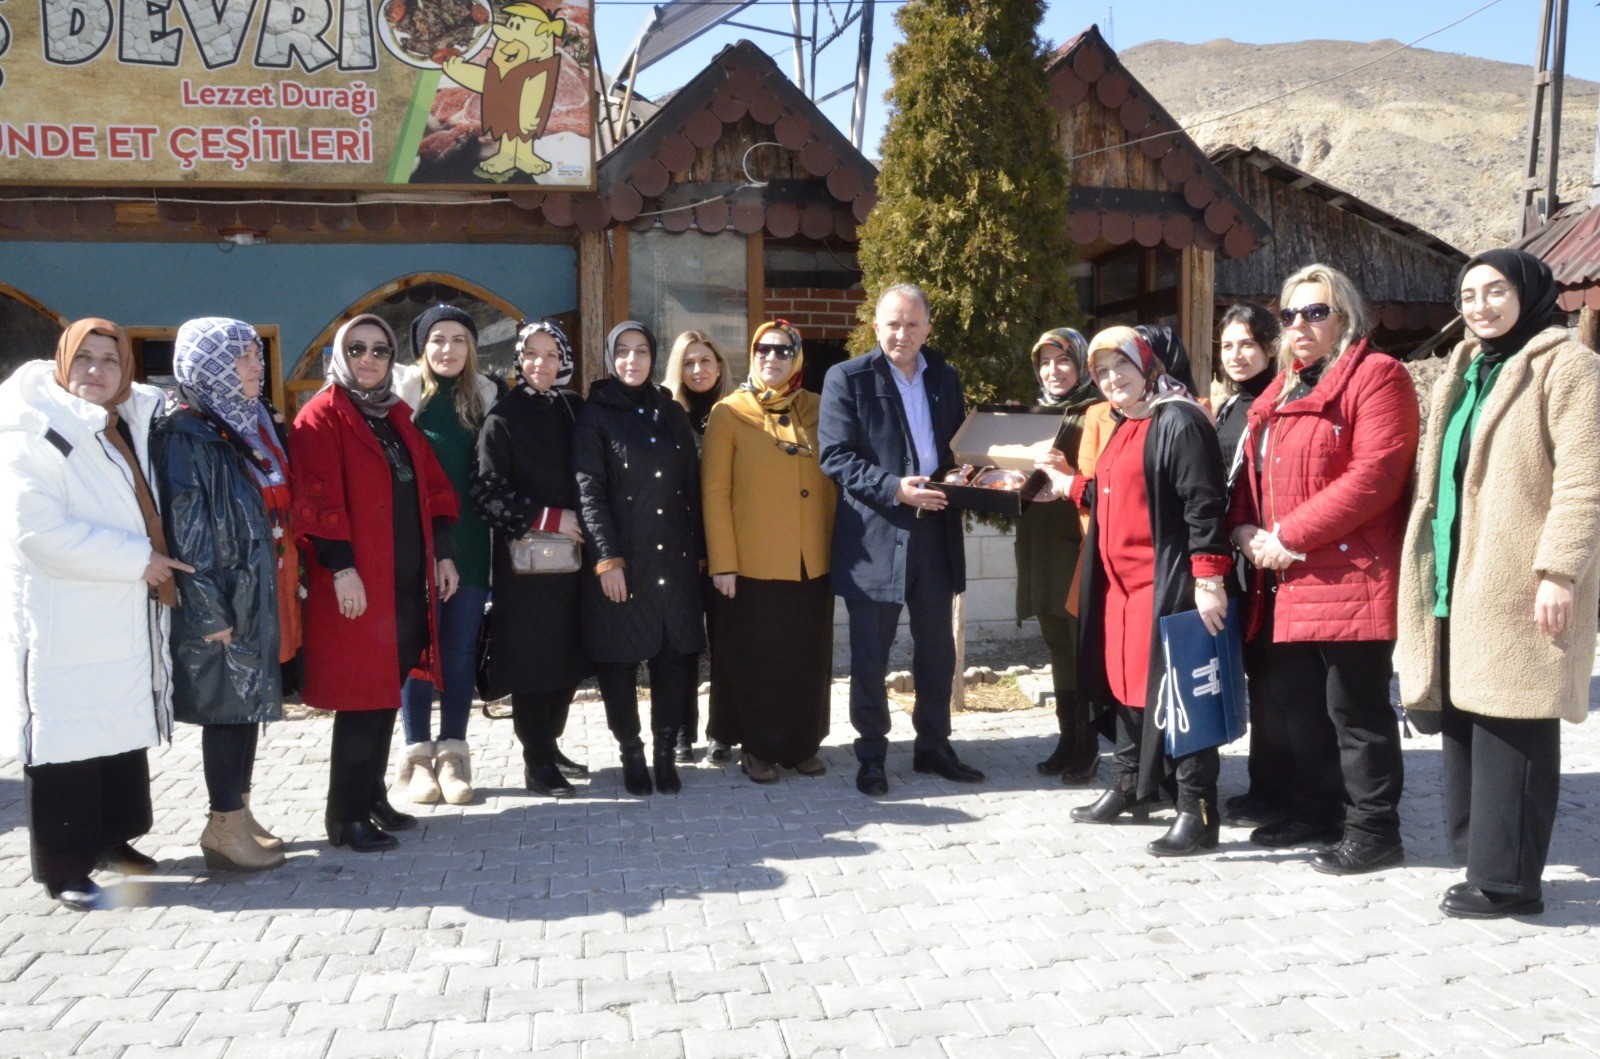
(639,499)
(216,521)
(524,465)
(1184,486)
(867,448)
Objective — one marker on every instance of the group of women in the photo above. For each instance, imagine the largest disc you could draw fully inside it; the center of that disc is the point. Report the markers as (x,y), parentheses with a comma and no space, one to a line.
(189,557)
(1465,558)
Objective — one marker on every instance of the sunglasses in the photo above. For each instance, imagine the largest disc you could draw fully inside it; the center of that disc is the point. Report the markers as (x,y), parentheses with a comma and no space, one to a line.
(776,352)
(361,349)
(1314,314)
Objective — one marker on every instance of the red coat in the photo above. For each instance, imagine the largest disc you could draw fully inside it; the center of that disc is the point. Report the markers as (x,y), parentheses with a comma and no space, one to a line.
(342,491)
(1337,484)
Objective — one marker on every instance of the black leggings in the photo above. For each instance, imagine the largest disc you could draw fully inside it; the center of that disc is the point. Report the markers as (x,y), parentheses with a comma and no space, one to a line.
(539,718)
(357,763)
(229,753)
(669,684)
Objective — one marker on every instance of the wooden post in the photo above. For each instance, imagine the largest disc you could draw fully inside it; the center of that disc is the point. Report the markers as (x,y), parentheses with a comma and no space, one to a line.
(755,280)
(1589,325)
(1197,285)
(592,306)
(958,629)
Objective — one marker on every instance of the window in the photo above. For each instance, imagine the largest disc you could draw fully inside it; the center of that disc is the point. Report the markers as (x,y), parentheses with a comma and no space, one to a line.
(683,282)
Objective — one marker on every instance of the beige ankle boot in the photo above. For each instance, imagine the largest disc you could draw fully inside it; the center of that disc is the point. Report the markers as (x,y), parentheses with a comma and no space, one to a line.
(416,777)
(455,770)
(228,845)
(267,839)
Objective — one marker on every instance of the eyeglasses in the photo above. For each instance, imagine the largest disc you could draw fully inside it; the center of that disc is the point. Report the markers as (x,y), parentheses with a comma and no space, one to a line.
(1314,313)
(776,352)
(1496,295)
(358,350)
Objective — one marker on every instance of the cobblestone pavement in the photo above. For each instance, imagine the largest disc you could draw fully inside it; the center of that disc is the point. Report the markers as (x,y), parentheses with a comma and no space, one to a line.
(799,919)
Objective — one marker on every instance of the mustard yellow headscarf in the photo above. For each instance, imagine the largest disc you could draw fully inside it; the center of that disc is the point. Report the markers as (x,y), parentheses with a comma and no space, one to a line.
(789,413)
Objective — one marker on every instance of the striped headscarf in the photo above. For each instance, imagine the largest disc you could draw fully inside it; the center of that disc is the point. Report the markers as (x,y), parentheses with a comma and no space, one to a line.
(547,327)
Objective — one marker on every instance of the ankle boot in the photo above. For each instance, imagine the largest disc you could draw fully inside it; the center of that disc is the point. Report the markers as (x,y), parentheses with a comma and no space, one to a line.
(453,761)
(1197,827)
(267,839)
(415,776)
(228,846)
(667,781)
(1110,805)
(635,777)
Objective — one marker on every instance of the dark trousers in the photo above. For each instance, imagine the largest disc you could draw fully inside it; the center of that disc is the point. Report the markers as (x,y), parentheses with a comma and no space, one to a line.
(460,619)
(539,718)
(619,687)
(79,809)
(691,703)
(1196,773)
(930,600)
(357,763)
(229,754)
(1060,635)
(1271,761)
(1346,683)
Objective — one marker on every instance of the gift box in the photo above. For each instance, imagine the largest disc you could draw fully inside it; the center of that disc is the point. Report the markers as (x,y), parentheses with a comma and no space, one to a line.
(1006,437)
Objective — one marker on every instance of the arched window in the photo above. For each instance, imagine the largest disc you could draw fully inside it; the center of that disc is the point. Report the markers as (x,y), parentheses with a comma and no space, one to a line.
(30,329)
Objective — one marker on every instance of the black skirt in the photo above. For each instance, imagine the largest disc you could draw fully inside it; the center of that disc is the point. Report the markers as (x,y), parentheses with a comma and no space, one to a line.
(771,668)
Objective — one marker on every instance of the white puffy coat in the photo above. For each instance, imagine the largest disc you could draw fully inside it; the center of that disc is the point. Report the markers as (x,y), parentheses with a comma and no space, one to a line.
(84,666)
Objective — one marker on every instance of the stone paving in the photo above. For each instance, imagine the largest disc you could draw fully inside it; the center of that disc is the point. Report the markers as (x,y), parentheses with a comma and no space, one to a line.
(799,919)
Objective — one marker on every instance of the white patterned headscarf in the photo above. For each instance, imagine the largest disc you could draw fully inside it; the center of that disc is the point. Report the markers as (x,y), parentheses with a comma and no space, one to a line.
(205,359)
(549,327)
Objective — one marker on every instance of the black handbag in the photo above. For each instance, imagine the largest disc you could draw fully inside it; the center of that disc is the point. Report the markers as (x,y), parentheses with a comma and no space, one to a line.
(483,684)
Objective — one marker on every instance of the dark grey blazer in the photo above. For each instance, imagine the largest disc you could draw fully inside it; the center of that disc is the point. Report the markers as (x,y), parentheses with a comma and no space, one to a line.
(867,448)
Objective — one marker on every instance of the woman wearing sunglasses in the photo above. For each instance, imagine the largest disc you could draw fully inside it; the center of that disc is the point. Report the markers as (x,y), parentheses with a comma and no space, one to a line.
(373,507)
(1320,510)
(1501,551)
(769,521)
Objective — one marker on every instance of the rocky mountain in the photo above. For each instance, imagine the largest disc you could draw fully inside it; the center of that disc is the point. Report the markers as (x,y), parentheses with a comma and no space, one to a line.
(1435,138)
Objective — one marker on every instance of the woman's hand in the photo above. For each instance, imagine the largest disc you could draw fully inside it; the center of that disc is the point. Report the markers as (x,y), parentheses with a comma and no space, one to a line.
(159,570)
(1552,605)
(1268,552)
(1213,607)
(1055,467)
(614,583)
(570,526)
(725,583)
(223,637)
(448,580)
(350,592)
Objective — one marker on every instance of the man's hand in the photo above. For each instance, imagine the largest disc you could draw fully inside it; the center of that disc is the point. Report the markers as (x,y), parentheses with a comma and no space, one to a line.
(914,492)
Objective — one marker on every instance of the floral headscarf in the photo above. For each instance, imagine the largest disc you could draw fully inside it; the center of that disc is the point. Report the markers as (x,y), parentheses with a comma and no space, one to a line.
(1130,344)
(1075,346)
(773,399)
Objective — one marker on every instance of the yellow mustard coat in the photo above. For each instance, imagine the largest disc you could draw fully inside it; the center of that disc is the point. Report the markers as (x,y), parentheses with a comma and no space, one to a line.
(1530,505)
(766,510)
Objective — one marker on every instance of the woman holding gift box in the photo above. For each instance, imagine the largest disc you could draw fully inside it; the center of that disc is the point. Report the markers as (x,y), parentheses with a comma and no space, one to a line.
(1155,547)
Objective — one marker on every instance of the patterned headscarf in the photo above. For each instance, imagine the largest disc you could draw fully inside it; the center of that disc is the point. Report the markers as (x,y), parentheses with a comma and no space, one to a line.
(1130,344)
(377,401)
(776,399)
(1072,343)
(72,338)
(205,359)
(548,327)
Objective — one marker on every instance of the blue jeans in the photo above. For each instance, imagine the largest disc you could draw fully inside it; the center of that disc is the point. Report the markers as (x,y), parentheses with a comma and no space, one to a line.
(460,617)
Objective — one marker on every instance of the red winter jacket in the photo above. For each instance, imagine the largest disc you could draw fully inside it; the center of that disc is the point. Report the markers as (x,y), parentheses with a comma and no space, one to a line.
(1336,481)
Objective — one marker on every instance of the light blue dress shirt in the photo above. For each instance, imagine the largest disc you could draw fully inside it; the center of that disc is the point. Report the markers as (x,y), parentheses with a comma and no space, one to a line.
(914,396)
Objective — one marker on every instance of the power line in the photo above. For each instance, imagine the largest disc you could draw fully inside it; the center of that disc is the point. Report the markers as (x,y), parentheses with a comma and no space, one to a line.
(1290,92)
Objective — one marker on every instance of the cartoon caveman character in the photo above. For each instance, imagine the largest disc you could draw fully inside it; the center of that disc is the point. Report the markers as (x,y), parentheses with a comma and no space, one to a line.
(518,87)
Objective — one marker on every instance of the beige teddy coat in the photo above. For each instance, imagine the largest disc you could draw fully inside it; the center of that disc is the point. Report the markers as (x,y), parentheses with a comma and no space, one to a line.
(1530,505)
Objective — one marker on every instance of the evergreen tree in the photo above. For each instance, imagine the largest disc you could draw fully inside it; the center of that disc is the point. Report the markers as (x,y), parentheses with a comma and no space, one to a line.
(973,190)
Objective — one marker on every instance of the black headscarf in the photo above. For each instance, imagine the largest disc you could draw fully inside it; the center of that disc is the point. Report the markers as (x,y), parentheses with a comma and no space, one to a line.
(1536,292)
(1170,350)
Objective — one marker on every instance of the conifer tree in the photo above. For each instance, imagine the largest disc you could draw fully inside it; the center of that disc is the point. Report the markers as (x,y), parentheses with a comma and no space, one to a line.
(973,190)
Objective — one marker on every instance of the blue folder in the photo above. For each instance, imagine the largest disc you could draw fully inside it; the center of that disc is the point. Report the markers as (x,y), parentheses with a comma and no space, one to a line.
(1202,702)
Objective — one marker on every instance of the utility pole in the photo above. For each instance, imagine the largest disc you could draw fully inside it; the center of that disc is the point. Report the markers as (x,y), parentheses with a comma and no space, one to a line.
(1548,79)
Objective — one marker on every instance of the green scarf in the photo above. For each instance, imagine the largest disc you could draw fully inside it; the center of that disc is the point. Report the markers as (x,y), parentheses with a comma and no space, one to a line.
(1458,431)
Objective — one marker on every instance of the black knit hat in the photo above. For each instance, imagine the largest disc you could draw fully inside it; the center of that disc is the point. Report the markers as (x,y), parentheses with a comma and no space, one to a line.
(428,317)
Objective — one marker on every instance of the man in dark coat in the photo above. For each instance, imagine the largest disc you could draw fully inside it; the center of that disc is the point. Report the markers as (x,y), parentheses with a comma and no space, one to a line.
(887,422)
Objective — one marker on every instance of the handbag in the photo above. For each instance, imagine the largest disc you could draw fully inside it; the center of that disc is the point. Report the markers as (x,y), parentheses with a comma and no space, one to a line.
(538,552)
(1202,701)
(483,682)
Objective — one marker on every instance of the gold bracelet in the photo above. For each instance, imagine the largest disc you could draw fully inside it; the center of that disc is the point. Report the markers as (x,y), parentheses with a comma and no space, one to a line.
(1207,584)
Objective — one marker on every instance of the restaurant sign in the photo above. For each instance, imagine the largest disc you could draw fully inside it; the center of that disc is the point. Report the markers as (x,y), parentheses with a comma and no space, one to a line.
(327,93)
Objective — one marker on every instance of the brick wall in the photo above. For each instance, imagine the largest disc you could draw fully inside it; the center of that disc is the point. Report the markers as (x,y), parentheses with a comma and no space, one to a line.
(819,312)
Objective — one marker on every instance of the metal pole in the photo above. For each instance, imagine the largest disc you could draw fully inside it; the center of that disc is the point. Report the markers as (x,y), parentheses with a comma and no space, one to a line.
(799,46)
(858,119)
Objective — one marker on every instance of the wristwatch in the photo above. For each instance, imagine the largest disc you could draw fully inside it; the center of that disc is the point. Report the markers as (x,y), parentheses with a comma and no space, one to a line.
(1206,584)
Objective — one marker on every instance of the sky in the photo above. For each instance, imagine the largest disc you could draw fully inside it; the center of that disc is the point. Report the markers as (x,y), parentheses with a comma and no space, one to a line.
(1507,31)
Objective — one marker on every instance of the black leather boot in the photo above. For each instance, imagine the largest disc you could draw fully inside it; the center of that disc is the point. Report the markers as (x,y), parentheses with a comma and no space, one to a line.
(667,781)
(1110,805)
(1197,826)
(1056,763)
(635,777)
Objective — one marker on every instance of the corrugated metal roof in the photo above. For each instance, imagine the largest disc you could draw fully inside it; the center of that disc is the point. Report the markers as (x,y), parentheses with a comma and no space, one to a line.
(1570,244)
(672,25)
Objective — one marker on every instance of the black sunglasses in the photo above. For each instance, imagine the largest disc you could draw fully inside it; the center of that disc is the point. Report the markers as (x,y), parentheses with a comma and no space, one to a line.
(361,349)
(776,351)
(1314,313)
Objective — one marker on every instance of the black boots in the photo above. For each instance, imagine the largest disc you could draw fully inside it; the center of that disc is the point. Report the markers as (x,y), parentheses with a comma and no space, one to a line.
(1112,804)
(1197,826)
(635,777)
(667,781)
